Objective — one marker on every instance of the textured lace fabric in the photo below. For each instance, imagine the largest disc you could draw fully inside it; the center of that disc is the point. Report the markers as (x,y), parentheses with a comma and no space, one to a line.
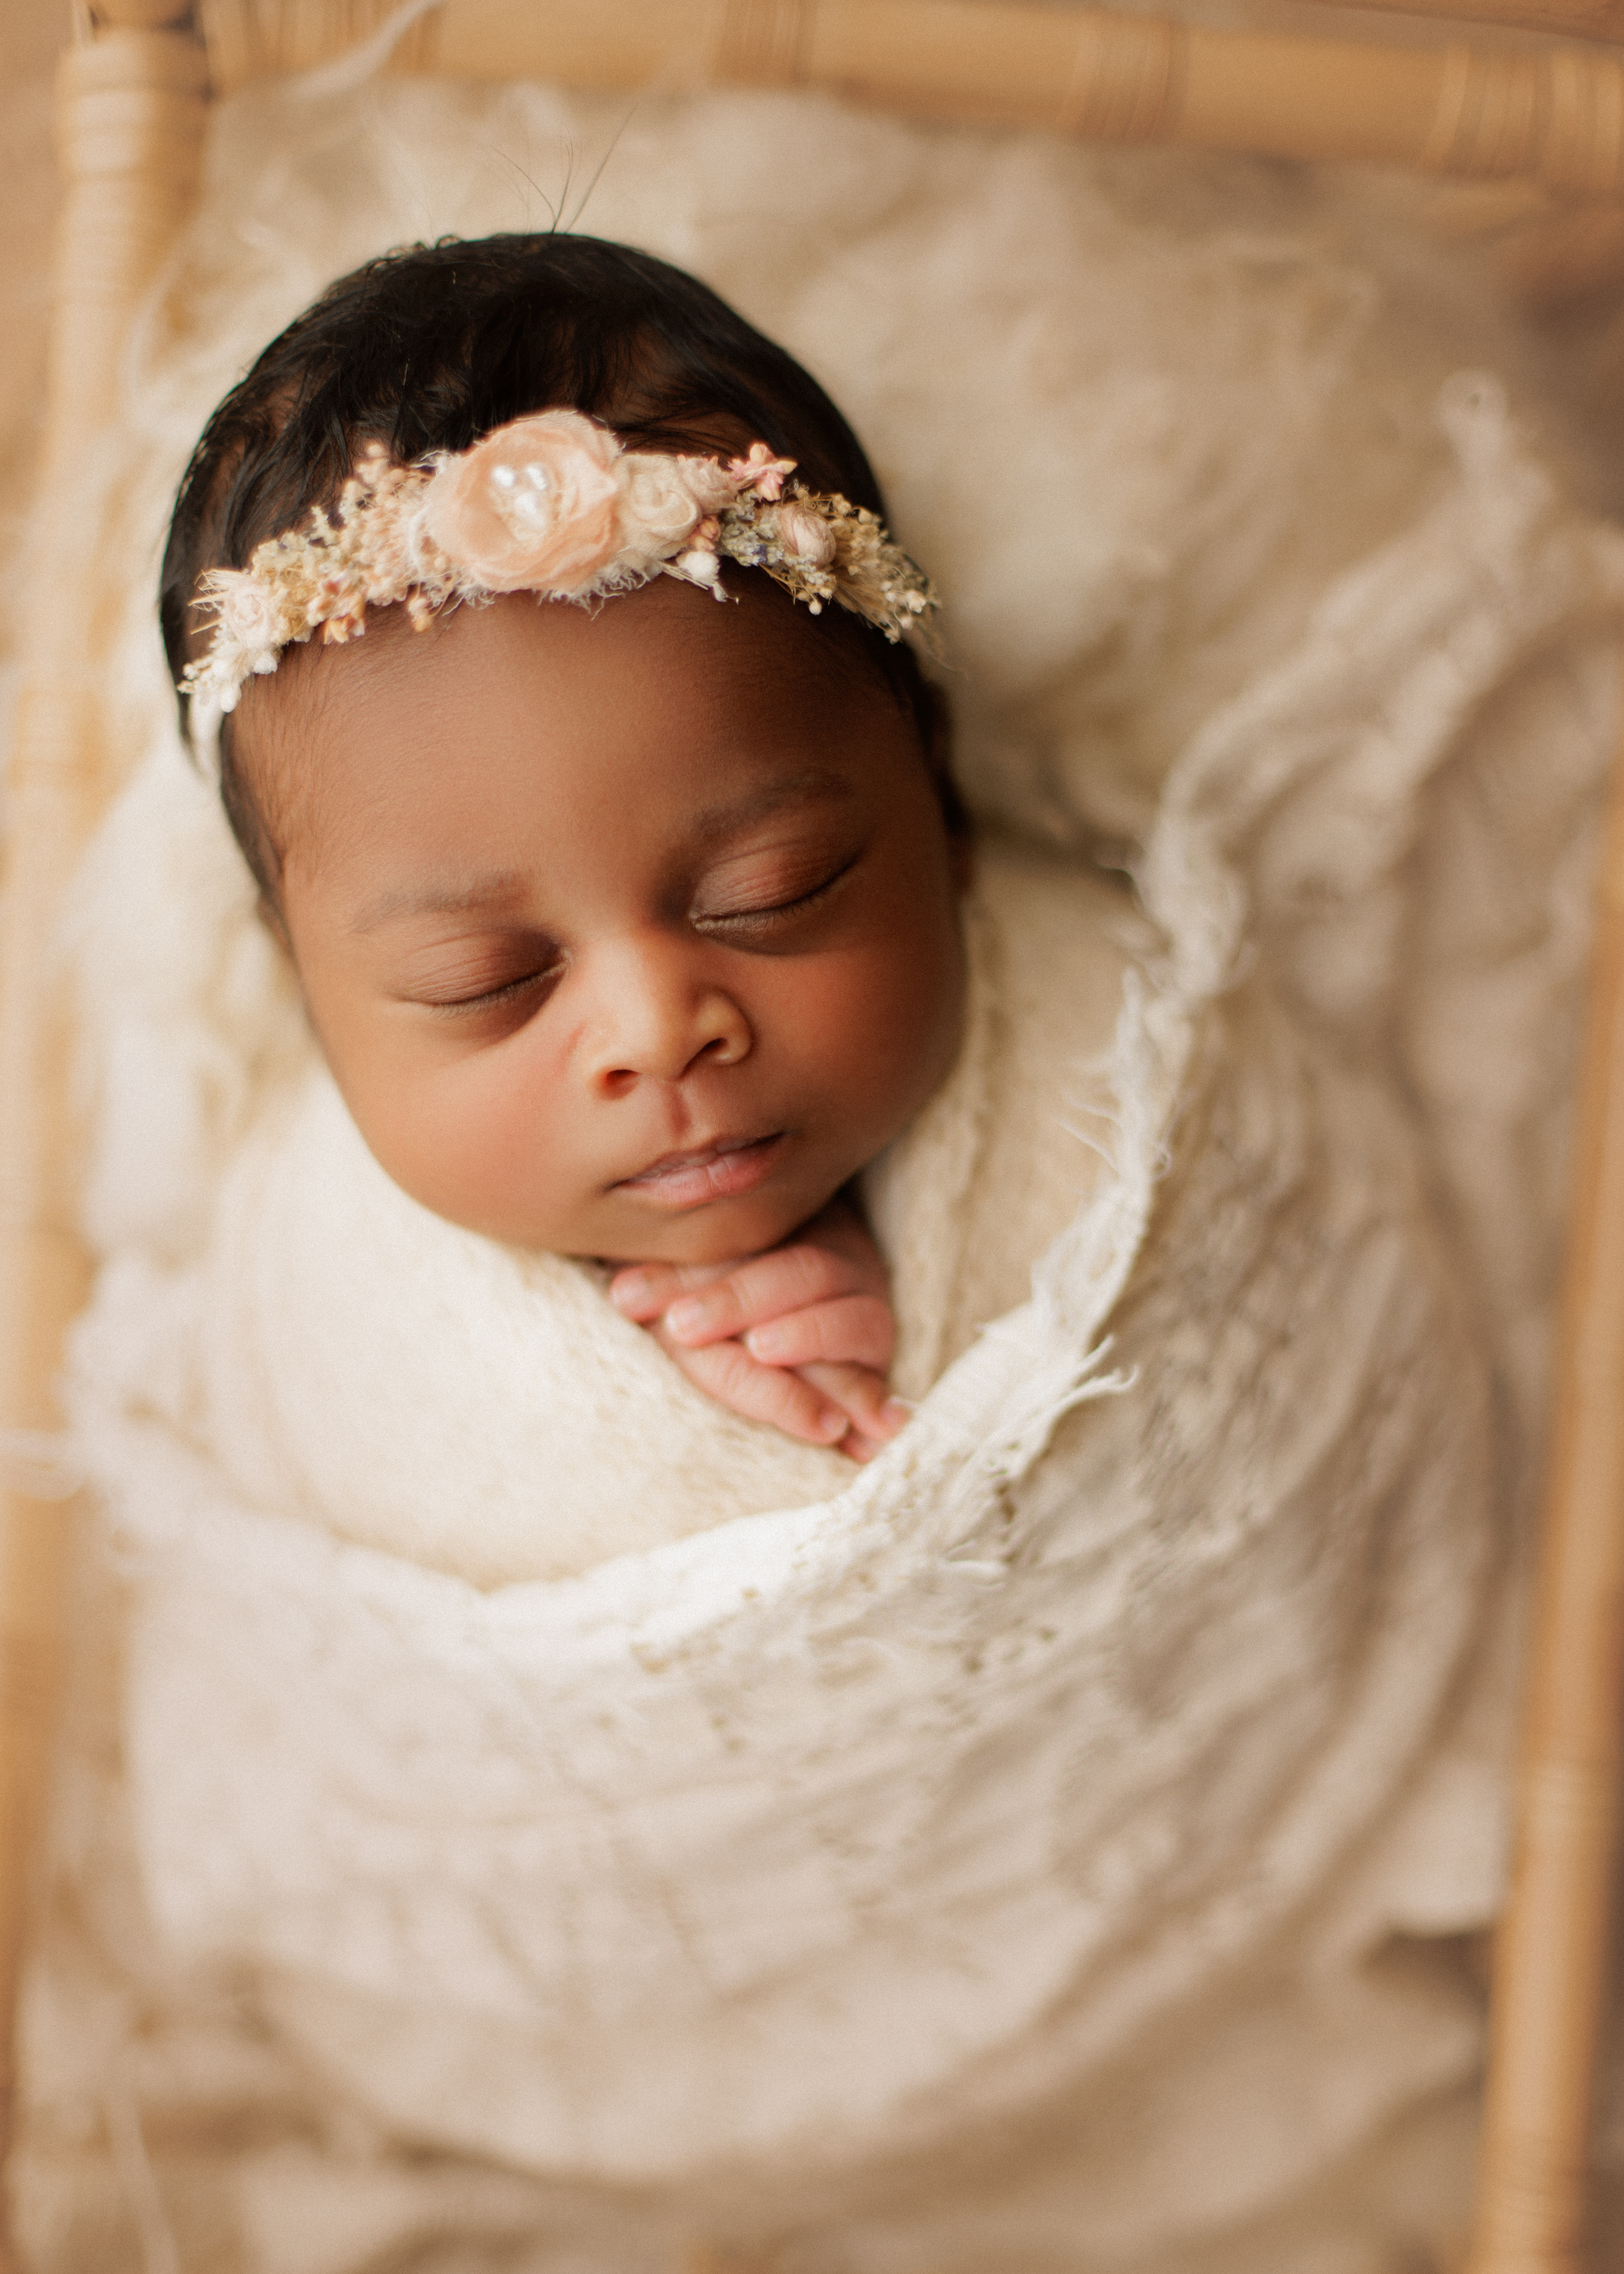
(1019,1139)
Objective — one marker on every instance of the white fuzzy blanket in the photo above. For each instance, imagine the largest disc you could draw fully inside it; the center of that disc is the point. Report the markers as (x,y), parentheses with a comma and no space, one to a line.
(1041,1848)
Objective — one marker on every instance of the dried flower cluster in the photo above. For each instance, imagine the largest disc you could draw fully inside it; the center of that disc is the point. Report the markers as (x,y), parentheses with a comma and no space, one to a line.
(825,548)
(552,505)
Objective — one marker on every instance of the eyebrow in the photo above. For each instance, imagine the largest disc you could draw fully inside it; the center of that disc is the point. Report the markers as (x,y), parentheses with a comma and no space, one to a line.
(502,888)
(811,784)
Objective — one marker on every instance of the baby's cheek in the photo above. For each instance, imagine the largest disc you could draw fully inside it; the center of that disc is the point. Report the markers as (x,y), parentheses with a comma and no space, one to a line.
(467,1139)
(883,1030)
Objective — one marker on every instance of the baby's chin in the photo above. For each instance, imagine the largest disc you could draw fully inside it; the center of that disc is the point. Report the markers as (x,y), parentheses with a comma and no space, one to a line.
(722,1233)
(625,1225)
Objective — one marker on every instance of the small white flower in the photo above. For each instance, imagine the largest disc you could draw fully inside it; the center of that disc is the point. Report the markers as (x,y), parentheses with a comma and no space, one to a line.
(699,566)
(246,612)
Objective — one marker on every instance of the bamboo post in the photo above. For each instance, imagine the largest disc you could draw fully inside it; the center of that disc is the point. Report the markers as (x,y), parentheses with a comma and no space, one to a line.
(130,111)
(1555,116)
(1551,1968)
(1561,20)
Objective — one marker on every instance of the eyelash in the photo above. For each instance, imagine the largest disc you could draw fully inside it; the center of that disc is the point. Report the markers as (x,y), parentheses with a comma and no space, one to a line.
(495,997)
(513,988)
(802,900)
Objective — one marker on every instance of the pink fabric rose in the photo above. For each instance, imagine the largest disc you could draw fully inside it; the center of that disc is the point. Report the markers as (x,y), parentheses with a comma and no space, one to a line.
(534,508)
(658,508)
(805,536)
(714,487)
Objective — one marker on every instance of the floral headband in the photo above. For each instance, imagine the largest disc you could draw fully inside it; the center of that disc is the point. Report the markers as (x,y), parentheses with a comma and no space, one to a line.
(550,504)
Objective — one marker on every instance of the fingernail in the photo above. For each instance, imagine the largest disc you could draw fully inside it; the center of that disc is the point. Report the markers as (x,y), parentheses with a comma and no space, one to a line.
(627,1294)
(894,1413)
(833,1423)
(766,1342)
(686,1317)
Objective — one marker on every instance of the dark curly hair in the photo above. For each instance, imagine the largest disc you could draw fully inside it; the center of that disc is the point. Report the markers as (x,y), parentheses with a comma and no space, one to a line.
(431,348)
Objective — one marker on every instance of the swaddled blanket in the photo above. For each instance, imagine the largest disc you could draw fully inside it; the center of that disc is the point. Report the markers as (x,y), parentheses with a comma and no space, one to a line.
(1043,1847)
(943,1780)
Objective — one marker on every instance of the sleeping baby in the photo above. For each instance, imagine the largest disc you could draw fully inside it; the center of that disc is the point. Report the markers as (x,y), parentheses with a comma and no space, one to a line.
(631,931)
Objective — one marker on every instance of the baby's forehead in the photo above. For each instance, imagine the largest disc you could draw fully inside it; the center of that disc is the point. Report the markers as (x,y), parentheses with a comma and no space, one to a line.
(708,693)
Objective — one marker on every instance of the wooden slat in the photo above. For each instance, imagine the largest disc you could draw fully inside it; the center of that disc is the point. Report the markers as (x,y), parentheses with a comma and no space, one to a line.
(1554,117)
(1557,19)
(1551,1974)
(131,111)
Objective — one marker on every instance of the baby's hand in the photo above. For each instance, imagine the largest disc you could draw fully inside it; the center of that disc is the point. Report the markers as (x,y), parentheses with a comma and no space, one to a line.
(800,1336)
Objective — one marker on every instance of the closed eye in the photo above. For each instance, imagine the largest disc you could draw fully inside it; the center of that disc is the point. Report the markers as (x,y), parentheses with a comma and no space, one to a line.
(775,913)
(490,998)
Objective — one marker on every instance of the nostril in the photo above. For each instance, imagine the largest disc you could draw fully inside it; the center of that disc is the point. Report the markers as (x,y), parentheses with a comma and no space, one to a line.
(666,1035)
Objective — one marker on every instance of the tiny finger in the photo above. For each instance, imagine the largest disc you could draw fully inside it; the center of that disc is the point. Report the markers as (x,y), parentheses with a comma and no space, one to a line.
(726,1372)
(853,1329)
(766,1287)
(863,1395)
(643,1291)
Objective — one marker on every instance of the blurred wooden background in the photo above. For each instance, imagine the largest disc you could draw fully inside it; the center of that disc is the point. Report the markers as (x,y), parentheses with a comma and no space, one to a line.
(31,33)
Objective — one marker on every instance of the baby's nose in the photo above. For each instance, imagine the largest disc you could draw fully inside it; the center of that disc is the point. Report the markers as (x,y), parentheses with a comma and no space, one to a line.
(659,1018)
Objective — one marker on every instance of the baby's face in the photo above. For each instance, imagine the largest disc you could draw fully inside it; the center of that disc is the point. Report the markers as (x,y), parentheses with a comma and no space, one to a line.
(632,934)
